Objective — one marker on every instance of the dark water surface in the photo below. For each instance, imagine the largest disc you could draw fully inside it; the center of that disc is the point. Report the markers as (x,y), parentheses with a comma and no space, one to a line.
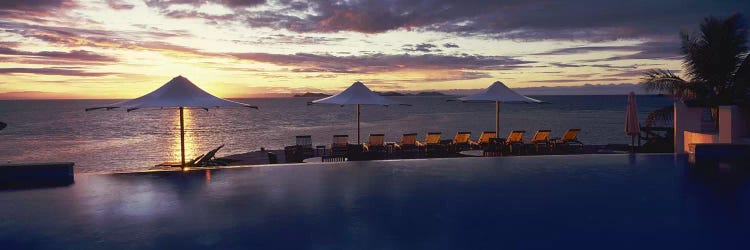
(545,202)
(106,141)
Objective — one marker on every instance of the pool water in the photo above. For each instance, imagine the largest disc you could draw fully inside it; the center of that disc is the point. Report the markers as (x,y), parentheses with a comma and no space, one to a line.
(579,201)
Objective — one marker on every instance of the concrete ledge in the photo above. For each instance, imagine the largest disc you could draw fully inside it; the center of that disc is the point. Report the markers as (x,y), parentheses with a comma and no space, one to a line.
(708,153)
(30,175)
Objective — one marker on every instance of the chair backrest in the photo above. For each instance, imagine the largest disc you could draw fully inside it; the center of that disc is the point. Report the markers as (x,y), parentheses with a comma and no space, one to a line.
(376,140)
(409,139)
(484,138)
(571,135)
(516,136)
(432,138)
(207,158)
(541,135)
(461,138)
(304,140)
(340,140)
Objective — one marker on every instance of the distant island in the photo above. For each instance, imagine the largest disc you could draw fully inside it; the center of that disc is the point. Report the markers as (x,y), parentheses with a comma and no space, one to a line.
(430,93)
(309,94)
(388,93)
(393,93)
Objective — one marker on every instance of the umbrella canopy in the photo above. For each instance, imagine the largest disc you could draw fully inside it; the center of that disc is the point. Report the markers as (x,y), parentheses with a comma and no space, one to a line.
(177,93)
(357,94)
(632,126)
(498,93)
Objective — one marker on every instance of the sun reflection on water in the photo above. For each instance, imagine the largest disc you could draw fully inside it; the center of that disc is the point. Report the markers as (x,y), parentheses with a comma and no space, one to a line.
(190,140)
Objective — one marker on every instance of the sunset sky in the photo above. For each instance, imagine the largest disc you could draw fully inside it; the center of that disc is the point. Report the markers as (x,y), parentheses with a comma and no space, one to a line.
(241,48)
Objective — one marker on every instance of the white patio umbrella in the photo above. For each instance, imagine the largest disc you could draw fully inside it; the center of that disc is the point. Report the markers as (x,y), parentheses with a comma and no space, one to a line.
(632,126)
(177,93)
(498,93)
(357,94)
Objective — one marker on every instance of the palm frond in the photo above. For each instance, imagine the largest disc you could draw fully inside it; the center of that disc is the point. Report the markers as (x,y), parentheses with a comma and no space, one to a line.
(661,80)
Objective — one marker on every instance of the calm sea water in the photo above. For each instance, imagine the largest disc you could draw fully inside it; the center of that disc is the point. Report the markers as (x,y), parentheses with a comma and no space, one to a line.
(107,141)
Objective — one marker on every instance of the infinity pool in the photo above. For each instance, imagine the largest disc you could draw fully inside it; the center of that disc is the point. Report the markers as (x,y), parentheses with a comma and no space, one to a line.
(573,202)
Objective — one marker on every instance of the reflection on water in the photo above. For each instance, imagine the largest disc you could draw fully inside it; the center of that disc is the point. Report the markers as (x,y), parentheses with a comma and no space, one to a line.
(208,176)
(190,140)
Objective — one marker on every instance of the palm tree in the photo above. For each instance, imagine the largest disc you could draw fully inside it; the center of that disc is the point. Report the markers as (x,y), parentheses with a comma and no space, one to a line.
(716,66)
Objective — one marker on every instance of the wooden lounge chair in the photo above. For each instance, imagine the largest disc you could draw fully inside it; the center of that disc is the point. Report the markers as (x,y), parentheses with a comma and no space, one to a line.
(340,145)
(431,142)
(570,138)
(432,138)
(209,159)
(376,142)
(541,138)
(408,142)
(179,164)
(515,140)
(484,139)
(204,160)
(461,141)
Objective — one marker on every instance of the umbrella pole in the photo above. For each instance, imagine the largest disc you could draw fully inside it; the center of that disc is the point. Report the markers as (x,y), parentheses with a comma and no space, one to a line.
(357,124)
(497,119)
(182,138)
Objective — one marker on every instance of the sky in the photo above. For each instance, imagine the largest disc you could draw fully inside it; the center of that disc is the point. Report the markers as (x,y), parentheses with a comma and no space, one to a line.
(108,49)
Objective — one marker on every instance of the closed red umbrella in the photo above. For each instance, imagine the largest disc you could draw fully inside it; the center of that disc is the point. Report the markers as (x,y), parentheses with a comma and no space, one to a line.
(632,126)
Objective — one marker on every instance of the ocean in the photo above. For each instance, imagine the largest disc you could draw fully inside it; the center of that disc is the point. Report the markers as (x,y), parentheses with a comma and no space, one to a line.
(115,140)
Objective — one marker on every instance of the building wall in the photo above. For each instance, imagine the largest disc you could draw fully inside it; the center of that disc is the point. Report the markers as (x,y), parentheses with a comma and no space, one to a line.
(734,127)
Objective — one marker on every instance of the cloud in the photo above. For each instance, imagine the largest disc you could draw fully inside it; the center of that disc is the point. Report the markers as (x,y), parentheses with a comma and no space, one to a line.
(33,5)
(304,62)
(120,5)
(590,20)
(565,65)
(586,89)
(647,50)
(637,73)
(21,95)
(569,80)
(78,55)
(450,45)
(51,71)
(34,10)
(606,66)
(422,47)
(448,76)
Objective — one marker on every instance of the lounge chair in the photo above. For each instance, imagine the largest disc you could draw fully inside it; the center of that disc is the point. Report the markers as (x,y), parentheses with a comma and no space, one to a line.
(304,145)
(209,159)
(484,139)
(432,138)
(431,143)
(541,138)
(376,142)
(408,142)
(340,144)
(515,140)
(461,141)
(570,138)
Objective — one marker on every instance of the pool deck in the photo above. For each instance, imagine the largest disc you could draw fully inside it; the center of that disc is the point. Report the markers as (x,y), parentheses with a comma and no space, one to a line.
(639,201)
